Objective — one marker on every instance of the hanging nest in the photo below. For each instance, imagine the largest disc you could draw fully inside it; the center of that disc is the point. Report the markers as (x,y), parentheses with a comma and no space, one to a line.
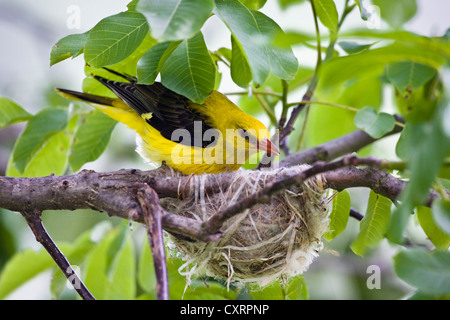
(263,242)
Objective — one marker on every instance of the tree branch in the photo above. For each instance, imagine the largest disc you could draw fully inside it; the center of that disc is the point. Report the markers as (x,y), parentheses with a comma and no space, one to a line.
(355,214)
(152,216)
(116,192)
(330,150)
(111,192)
(34,221)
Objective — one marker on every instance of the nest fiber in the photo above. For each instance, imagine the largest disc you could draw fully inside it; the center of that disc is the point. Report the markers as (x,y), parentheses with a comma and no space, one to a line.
(281,237)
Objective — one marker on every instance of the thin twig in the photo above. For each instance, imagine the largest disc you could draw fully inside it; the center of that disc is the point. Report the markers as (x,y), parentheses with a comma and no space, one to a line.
(355,214)
(153,213)
(330,150)
(340,106)
(35,223)
(255,92)
(289,127)
(285,105)
(267,109)
(301,138)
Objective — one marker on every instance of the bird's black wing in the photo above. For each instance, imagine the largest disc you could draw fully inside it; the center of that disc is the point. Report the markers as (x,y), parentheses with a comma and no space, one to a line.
(170,110)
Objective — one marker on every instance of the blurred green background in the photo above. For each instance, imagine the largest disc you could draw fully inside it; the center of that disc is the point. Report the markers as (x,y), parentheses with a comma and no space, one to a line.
(28,29)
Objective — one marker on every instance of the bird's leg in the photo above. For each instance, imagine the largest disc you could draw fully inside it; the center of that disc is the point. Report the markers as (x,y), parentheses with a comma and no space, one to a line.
(183,196)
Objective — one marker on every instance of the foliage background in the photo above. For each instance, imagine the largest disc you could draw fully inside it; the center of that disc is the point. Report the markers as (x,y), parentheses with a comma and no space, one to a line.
(29,29)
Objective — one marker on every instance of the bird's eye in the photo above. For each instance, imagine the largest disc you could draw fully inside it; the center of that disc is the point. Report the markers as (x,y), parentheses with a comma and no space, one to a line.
(244,134)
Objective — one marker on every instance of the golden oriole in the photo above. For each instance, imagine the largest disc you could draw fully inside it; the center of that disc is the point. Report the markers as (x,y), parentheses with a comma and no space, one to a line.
(212,137)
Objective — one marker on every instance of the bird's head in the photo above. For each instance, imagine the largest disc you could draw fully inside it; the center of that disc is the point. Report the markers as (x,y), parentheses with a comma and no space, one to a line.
(253,135)
(240,131)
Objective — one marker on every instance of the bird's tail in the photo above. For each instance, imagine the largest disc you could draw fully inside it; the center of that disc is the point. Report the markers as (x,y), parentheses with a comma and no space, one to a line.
(86,97)
(112,107)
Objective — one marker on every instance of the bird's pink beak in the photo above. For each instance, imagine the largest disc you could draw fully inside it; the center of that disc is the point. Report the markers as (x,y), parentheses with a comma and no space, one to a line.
(269,147)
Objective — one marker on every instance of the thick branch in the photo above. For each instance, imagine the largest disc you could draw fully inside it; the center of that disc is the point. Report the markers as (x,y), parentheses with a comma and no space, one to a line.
(112,192)
(349,143)
(153,216)
(379,181)
(116,192)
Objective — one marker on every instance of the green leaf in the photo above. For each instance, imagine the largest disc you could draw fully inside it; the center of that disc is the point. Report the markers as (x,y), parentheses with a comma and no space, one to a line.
(441,214)
(418,105)
(352,47)
(75,253)
(213,291)
(91,139)
(327,13)
(372,62)
(425,162)
(408,75)
(146,270)
(50,158)
(109,270)
(11,112)
(172,20)
(240,69)
(122,273)
(95,267)
(286,3)
(22,267)
(289,38)
(396,13)
(339,215)
(127,66)
(255,32)
(296,289)
(283,62)
(114,38)
(440,239)
(374,224)
(406,144)
(70,46)
(190,70)
(225,53)
(349,94)
(438,45)
(131,6)
(427,271)
(374,124)
(253,4)
(177,282)
(37,132)
(153,60)
(321,117)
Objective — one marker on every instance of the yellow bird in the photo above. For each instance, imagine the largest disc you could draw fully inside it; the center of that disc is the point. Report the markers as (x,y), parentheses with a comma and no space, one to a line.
(212,137)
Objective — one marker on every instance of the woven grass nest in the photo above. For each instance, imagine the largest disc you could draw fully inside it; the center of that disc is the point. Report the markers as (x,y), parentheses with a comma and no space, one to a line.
(281,237)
